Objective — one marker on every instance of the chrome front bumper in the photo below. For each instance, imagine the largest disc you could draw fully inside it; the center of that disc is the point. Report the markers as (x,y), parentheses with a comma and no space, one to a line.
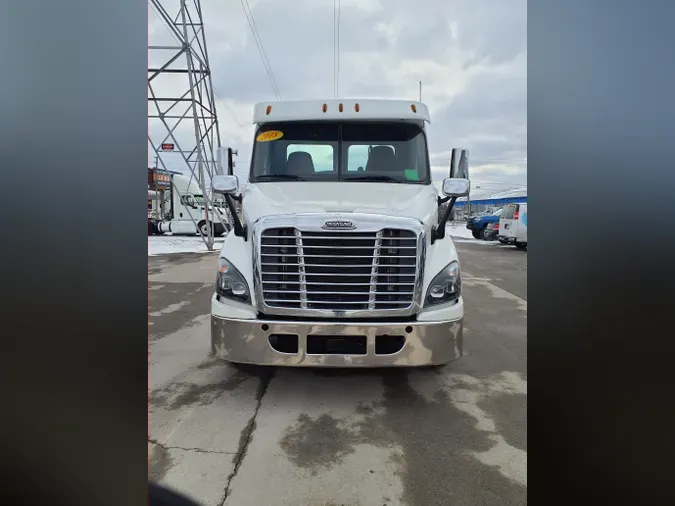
(247,341)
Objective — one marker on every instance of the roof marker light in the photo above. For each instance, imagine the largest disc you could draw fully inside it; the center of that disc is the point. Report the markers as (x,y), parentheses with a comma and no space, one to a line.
(268,110)
(414,109)
(340,107)
(356,107)
(324,108)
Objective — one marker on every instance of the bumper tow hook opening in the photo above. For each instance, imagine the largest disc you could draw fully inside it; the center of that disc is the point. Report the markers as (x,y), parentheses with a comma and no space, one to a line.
(388,345)
(284,343)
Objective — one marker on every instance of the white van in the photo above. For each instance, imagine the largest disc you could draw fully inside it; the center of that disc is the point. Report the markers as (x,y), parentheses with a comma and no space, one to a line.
(513,225)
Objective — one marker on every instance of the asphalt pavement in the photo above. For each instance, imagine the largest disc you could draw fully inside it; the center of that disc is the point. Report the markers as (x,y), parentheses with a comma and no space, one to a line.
(271,436)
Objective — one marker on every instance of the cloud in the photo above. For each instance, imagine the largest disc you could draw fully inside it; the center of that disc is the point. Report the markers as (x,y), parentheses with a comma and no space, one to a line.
(471,56)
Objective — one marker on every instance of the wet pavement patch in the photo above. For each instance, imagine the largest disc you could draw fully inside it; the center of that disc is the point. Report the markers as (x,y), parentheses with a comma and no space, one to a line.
(175,305)
(160,463)
(179,395)
(322,442)
(509,412)
(435,445)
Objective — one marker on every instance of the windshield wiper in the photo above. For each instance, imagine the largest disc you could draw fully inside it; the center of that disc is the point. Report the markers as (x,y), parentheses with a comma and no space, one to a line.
(388,179)
(273,177)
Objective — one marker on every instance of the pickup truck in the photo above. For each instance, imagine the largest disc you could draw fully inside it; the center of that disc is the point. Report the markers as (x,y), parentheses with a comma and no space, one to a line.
(478,225)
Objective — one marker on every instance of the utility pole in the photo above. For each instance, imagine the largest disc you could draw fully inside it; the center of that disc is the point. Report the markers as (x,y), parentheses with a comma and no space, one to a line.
(183,69)
(420,91)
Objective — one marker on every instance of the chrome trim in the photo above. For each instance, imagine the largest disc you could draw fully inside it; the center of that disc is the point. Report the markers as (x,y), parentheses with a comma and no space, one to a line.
(313,222)
(374,271)
(301,270)
(427,343)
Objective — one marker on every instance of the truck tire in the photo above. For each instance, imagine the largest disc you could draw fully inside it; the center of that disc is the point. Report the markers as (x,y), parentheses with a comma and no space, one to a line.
(203,230)
(475,234)
(521,245)
(483,233)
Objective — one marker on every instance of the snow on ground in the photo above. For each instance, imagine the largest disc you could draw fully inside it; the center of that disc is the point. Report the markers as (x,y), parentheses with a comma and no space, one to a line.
(166,244)
(461,234)
(459,230)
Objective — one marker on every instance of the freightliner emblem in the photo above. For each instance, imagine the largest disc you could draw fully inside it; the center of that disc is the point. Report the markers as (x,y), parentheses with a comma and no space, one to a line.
(339,225)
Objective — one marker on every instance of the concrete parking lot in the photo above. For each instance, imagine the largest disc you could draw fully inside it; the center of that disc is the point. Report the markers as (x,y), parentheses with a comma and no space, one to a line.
(456,435)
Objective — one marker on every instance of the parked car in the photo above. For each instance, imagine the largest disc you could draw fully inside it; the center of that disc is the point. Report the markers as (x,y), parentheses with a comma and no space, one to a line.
(492,230)
(478,224)
(513,225)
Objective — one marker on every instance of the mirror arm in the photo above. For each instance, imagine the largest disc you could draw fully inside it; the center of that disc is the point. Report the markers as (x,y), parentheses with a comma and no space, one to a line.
(443,200)
(438,232)
(239,229)
(238,198)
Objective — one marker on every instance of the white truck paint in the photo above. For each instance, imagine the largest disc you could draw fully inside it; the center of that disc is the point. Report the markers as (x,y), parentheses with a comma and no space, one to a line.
(340,260)
(184,200)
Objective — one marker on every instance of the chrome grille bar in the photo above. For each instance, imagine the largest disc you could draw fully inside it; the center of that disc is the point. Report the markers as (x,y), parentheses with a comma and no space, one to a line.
(342,272)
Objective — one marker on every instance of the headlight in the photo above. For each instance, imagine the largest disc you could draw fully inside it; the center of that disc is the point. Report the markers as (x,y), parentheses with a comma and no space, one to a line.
(445,287)
(230,283)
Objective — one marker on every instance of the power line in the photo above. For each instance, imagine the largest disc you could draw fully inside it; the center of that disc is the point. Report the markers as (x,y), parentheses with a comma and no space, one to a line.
(336,45)
(217,93)
(261,47)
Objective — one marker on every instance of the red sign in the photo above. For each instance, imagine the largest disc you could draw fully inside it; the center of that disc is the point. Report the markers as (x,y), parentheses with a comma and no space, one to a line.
(167,147)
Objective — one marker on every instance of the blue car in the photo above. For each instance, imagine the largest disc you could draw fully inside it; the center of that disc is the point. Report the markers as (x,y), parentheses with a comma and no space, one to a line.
(478,225)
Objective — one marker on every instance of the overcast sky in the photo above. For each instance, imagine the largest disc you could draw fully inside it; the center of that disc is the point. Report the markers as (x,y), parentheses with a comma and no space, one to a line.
(471,56)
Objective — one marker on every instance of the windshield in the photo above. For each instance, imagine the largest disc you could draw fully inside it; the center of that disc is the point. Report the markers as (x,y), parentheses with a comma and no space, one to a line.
(498,212)
(326,151)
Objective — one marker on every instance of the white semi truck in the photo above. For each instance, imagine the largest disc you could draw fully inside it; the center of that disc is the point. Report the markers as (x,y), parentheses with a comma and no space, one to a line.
(180,209)
(339,257)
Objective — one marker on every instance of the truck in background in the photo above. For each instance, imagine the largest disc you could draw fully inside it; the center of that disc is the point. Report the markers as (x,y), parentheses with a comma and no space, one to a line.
(176,205)
(478,224)
(339,257)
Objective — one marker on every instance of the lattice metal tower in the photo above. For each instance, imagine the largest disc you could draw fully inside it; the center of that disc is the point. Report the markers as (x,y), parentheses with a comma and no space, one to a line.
(181,102)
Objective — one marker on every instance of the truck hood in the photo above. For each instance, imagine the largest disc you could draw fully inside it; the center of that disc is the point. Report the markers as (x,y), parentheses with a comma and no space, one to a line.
(391,199)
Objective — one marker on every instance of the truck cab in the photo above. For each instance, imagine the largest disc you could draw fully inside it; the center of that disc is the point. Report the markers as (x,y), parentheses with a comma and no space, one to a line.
(186,212)
(338,257)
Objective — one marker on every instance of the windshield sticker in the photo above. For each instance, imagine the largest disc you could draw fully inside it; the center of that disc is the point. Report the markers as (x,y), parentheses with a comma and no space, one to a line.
(270,135)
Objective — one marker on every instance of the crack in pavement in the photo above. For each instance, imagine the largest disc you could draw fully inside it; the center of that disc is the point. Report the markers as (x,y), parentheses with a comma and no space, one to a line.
(197,450)
(247,433)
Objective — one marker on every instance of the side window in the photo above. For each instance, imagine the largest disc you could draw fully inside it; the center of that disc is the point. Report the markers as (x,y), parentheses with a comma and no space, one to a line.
(323,155)
(188,200)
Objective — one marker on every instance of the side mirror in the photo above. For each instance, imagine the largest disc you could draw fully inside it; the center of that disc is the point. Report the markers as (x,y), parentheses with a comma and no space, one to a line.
(456,187)
(225,184)
(459,163)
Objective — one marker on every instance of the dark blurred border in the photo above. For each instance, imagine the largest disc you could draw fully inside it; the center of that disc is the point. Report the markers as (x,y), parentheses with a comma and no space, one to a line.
(73,126)
(601,122)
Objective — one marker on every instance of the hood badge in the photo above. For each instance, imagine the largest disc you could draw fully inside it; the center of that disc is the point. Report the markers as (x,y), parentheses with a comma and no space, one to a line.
(339,225)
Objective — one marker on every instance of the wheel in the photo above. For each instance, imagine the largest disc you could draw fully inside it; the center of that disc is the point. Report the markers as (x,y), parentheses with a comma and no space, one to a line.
(203,228)
(521,245)
(475,234)
(484,233)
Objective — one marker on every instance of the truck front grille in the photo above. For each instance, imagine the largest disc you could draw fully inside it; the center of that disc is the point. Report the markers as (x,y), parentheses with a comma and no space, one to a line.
(338,271)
